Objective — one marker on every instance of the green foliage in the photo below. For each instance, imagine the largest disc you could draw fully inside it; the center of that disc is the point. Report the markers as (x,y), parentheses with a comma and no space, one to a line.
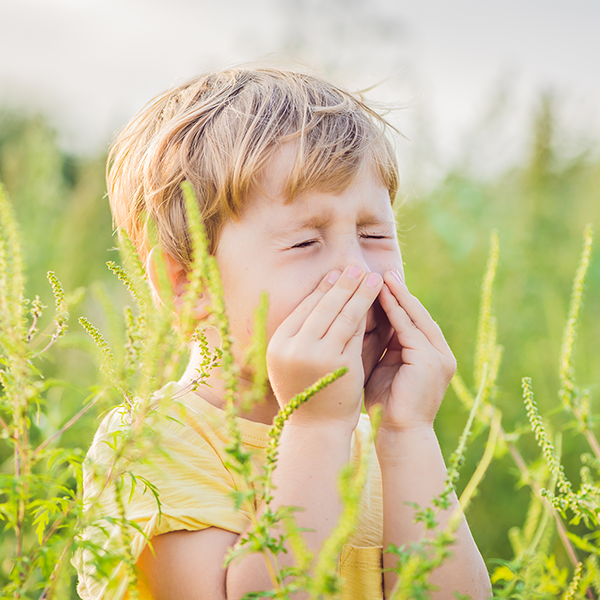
(540,206)
(533,564)
(51,394)
(40,502)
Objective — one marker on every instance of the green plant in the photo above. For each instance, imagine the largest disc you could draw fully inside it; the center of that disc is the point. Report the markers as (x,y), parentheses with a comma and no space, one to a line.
(40,502)
(554,553)
(154,347)
(533,573)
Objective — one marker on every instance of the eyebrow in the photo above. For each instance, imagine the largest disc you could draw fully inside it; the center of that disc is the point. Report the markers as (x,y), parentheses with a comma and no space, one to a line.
(315,222)
(323,221)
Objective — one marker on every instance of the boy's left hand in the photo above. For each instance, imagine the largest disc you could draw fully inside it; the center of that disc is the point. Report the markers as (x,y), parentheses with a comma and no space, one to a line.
(411,378)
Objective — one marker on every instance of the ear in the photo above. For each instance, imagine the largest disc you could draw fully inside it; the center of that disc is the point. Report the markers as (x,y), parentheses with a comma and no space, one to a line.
(171,292)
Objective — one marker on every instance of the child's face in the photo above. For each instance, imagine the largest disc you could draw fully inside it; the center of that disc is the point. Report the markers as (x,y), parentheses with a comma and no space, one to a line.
(286,250)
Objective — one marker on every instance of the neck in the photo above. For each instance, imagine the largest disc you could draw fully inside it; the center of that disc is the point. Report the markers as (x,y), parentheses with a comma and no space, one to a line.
(213,390)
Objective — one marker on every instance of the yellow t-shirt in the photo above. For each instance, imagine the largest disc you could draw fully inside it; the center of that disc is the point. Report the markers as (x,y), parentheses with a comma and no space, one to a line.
(194,486)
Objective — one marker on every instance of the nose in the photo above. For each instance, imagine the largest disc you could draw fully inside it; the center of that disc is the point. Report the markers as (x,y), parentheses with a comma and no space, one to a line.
(349,252)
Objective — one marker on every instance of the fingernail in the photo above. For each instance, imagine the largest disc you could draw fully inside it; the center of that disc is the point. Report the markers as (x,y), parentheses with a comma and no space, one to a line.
(333,276)
(396,274)
(354,272)
(373,280)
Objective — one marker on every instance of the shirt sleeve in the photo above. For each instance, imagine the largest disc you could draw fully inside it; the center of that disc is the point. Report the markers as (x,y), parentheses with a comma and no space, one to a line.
(361,572)
(173,480)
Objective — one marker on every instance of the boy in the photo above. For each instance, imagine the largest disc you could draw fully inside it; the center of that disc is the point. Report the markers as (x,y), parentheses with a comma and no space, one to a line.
(295,180)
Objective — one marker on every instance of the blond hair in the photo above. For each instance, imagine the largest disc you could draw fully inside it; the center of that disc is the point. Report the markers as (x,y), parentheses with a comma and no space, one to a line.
(219,131)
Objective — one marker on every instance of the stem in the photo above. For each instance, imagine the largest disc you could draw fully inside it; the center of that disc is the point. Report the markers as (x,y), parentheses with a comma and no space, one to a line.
(52,578)
(47,535)
(5,426)
(272,573)
(589,434)
(52,341)
(593,442)
(37,340)
(559,525)
(520,462)
(484,463)
(21,473)
(32,328)
(18,532)
(66,426)
(57,522)
(273,569)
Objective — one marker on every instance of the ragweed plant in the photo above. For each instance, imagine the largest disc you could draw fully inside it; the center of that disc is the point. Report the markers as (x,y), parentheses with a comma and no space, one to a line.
(39,504)
(535,563)
(46,521)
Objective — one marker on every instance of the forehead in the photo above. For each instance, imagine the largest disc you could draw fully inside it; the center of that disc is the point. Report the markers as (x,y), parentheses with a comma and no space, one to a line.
(364,192)
(365,201)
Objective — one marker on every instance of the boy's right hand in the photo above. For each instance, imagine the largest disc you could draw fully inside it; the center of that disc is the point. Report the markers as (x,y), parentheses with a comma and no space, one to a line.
(324,333)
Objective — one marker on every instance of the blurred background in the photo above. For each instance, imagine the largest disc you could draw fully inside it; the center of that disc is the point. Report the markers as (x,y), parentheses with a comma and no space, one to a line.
(499,107)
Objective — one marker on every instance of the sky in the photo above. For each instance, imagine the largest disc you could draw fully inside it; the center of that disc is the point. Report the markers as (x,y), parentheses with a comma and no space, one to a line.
(449,69)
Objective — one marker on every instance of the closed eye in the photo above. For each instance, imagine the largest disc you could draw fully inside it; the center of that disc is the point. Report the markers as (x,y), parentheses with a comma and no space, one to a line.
(305,244)
(376,237)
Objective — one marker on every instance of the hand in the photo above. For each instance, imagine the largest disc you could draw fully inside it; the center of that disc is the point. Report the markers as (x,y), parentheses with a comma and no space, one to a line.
(410,380)
(324,333)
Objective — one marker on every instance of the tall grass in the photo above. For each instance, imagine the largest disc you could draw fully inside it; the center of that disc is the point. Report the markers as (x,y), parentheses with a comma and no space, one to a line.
(533,512)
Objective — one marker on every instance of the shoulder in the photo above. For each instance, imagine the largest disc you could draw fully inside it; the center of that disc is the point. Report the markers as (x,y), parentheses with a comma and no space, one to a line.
(164,468)
(165,422)
(165,445)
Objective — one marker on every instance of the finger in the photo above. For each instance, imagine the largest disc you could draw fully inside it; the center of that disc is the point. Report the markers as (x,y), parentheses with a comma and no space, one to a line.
(409,335)
(354,344)
(417,313)
(292,324)
(354,313)
(393,353)
(331,304)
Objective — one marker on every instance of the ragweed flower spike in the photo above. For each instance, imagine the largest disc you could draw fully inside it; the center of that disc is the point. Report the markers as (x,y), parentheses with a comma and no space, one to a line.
(488,353)
(60,302)
(11,276)
(99,340)
(198,276)
(133,275)
(259,538)
(566,498)
(570,595)
(486,350)
(286,412)
(126,278)
(256,355)
(568,389)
